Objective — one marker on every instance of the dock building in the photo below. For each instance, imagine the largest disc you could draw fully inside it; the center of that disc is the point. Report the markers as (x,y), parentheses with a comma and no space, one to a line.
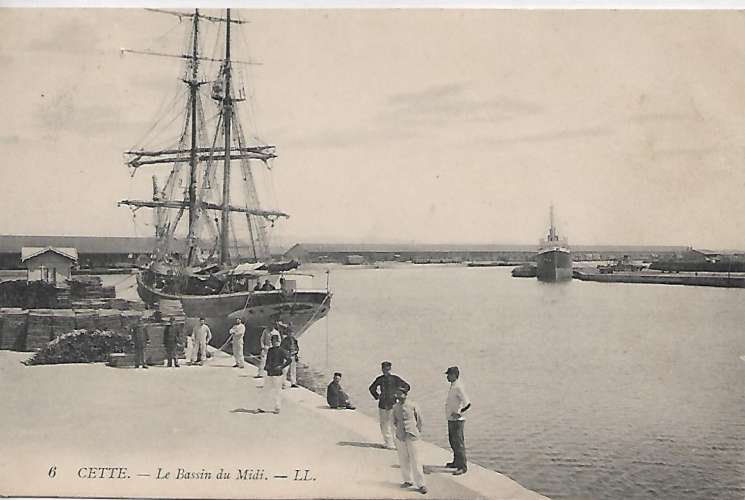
(455,253)
(112,252)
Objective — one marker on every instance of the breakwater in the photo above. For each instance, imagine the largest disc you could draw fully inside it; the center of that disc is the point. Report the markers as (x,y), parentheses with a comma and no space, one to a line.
(722,280)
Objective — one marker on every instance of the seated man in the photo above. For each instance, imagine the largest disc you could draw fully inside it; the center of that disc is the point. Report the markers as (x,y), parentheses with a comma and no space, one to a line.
(335,395)
(266,287)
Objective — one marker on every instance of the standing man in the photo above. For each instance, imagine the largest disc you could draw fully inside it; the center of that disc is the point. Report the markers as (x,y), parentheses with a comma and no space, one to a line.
(456,405)
(140,338)
(237,332)
(408,423)
(384,389)
(276,361)
(202,336)
(170,342)
(290,344)
(265,342)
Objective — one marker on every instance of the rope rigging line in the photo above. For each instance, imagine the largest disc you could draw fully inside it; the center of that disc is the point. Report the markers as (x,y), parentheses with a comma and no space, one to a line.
(246,85)
(140,144)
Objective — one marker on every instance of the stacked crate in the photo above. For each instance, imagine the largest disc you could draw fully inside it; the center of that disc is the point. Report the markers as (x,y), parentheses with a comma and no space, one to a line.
(122,360)
(170,308)
(63,322)
(13,328)
(130,319)
(86,319)
(90,287)
(120,304)
(39,328)
(109,319)
(155,353)
(137,306)
(63,299)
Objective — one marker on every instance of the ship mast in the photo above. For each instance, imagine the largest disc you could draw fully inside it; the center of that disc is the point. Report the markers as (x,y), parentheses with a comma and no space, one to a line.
(552,229)
(195,154)
(194,89)
(227,106)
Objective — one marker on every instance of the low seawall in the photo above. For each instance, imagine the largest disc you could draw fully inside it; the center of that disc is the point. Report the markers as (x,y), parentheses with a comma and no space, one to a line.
(722,280)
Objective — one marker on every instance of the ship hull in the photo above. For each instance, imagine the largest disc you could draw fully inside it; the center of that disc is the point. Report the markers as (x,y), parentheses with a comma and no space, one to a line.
(554,265)
(301,308)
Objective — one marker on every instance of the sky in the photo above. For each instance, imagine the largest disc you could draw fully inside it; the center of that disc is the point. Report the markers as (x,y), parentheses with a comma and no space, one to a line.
(432,126)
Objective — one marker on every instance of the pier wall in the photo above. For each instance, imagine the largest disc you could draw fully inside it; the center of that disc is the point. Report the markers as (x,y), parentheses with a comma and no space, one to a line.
(722,280)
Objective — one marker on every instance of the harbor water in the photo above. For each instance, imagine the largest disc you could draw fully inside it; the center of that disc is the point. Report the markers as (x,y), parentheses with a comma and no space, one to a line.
(579,389)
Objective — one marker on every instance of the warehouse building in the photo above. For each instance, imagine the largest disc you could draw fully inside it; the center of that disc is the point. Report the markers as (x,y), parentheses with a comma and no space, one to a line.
(92,251)
(354,253)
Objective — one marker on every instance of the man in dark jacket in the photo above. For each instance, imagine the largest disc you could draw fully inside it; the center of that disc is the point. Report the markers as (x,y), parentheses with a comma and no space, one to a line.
(140,338)
(170,342)
(277,359)
(384,390)
(335,395)
(290,344)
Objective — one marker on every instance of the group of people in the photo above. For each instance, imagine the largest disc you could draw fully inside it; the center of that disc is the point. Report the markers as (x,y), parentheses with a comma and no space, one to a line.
(196,342)
(268,287)
(171,340)
(400,418)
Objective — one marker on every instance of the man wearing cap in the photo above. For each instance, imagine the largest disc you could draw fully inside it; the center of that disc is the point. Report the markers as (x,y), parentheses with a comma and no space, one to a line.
(290,344)
(335,395)
(277,360)
(170,342)
(384,389)
(407,421)
(237,332)
(140,338)
(456,405)
(265,341)
(202,336)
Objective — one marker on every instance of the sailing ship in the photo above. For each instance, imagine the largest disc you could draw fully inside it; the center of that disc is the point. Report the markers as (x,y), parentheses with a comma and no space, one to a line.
(212,249)
(554,259)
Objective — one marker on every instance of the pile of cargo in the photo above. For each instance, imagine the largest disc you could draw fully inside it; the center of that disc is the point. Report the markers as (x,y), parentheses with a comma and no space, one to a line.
(84,335)
(28,294)
(38,328)
(13,328)
(81,346)
(64,321)
(108,303)
(29,330)
(89,287)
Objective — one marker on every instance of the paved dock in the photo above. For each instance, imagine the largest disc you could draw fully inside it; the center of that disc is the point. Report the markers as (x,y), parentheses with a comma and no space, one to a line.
(61,427)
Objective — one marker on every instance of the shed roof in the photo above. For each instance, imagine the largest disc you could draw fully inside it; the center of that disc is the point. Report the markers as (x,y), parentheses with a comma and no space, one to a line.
(13,243)
(357,248)
(31,252)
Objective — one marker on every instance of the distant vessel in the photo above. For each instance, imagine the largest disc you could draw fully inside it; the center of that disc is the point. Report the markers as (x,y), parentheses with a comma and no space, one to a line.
(524,271)
(624,264)
(554,259)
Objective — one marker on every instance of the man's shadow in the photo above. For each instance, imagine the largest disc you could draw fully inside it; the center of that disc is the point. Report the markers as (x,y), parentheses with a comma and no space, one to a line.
(246,410)
(359,444)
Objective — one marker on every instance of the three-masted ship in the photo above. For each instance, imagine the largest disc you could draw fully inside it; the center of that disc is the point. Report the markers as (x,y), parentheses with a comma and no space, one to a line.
(212,249)
(554,258)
